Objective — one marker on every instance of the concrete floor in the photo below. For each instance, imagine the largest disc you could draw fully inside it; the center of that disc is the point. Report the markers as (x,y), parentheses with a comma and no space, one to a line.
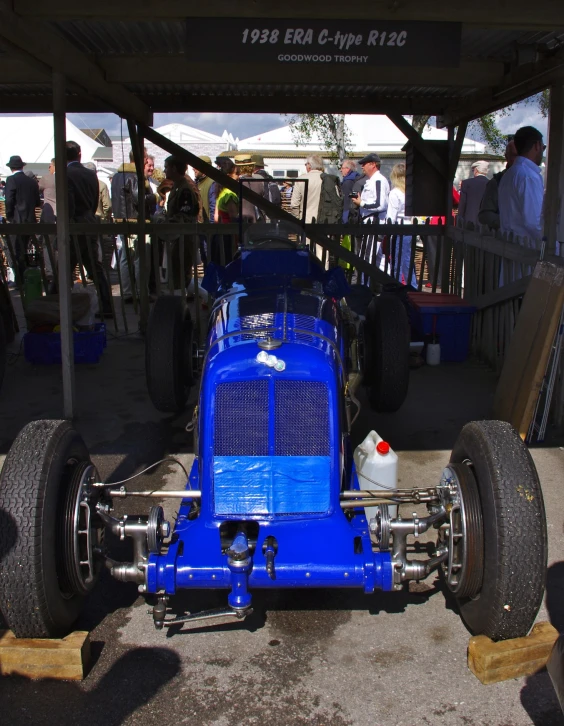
(320,657)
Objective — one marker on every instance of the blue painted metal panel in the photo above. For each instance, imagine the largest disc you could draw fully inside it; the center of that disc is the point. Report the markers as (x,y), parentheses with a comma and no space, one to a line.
(320,552)
(271,485)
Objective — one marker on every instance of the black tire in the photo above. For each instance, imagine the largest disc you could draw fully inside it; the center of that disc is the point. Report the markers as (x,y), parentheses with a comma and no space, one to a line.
(168,354)
(386,353)
(37,474)
(514,526)
(7,314)
(2,352)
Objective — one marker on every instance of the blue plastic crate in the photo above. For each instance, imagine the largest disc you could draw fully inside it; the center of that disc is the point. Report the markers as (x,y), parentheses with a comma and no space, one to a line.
(451,318)
(45,348)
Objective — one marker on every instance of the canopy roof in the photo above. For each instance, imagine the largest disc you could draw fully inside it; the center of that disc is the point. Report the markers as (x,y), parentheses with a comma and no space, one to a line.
(135,59)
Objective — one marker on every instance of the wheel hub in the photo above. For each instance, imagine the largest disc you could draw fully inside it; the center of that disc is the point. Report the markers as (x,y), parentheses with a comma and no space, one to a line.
(80,536)
(463,534)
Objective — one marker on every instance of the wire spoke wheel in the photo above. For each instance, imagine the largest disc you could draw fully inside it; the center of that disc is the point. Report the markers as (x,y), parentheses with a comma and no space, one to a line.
(79,532)
(463,534)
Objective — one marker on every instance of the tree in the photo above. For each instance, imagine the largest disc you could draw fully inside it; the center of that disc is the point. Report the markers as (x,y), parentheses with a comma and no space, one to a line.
(487,125)
(331,129)
(335,136)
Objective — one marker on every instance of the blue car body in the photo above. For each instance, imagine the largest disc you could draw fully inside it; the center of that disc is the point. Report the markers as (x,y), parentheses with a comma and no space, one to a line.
(273,444)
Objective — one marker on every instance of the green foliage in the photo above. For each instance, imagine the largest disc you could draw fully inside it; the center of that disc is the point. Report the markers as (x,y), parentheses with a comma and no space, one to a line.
(419,122)
(331,129)
(487,128)
(335,136)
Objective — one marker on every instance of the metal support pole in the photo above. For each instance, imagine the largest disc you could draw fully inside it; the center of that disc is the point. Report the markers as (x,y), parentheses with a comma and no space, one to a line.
(63,242)
(554,197)
(143,283)
(446,244)
(554,213)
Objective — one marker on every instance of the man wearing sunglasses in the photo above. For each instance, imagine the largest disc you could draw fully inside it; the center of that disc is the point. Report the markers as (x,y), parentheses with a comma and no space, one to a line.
(521,190)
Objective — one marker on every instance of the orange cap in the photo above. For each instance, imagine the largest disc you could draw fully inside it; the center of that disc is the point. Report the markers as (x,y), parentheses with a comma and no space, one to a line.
(383,447)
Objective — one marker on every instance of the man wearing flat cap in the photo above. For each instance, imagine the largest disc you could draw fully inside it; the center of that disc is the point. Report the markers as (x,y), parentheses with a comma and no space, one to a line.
(245,168)
(22,197)
(373,200)
(471,192)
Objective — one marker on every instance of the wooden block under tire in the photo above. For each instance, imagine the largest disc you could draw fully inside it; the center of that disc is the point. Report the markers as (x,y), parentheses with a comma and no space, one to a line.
(62,659)
(494,662)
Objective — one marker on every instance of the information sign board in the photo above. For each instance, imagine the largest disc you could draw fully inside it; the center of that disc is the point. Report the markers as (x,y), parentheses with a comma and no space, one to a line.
(322,42)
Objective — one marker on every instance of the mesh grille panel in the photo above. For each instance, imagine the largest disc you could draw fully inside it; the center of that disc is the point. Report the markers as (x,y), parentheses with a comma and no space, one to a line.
(304,322)
(301,411)
(241,419)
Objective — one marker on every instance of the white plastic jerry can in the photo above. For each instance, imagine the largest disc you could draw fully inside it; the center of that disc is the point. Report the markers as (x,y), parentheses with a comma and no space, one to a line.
(377,468)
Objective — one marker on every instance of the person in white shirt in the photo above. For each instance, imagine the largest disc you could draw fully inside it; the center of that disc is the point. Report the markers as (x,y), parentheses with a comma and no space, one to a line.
(521,190)
(373,200)
(401,247)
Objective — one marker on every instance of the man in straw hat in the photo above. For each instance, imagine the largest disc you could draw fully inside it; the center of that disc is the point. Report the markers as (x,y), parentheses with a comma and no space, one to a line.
(245,168)
(22,197)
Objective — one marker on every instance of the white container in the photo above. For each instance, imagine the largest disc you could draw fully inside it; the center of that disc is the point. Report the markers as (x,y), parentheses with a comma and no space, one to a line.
(377,468)
(433,354)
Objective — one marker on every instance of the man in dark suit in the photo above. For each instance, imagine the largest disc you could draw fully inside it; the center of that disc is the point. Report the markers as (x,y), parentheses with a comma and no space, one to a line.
(83,203)
(471,192)
(22,197)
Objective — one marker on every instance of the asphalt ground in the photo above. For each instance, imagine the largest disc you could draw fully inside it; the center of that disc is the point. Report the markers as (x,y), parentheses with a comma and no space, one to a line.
(331,657)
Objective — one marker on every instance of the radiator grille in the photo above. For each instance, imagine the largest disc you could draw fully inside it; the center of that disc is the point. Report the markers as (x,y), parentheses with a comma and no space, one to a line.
(273,463)
(301,418)
(241,419)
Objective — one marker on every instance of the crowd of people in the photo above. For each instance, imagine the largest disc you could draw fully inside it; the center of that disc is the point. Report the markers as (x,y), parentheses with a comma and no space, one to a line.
(511,201)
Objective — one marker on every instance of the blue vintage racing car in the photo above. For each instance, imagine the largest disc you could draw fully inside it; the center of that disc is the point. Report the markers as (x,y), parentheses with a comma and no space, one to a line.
(274,499)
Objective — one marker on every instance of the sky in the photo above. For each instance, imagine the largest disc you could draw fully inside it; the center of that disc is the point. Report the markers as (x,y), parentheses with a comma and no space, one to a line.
(243,125)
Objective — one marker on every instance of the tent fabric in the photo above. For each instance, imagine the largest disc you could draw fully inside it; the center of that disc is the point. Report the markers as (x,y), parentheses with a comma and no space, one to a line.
(32,138)
(369,132)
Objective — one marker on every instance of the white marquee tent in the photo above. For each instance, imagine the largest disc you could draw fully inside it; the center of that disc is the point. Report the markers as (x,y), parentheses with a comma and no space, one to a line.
(367,133)
(32,138)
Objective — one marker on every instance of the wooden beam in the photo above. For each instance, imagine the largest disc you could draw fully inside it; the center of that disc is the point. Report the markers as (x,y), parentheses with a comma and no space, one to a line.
(494,662)
(457,150)
(143,281)
(418,142)
(554,196)
(176,69)
(45,45)
(514,289)
(63,243)
(251,101)
(66,659)
(487,243)
(548,15)
(523,82)
(159,69)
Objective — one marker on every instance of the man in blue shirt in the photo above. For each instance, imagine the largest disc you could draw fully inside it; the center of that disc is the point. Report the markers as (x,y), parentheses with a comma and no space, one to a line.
(521,190)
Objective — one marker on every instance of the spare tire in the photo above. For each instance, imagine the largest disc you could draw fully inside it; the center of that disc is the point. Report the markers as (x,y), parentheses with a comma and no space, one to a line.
(168,354)
(386,353)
